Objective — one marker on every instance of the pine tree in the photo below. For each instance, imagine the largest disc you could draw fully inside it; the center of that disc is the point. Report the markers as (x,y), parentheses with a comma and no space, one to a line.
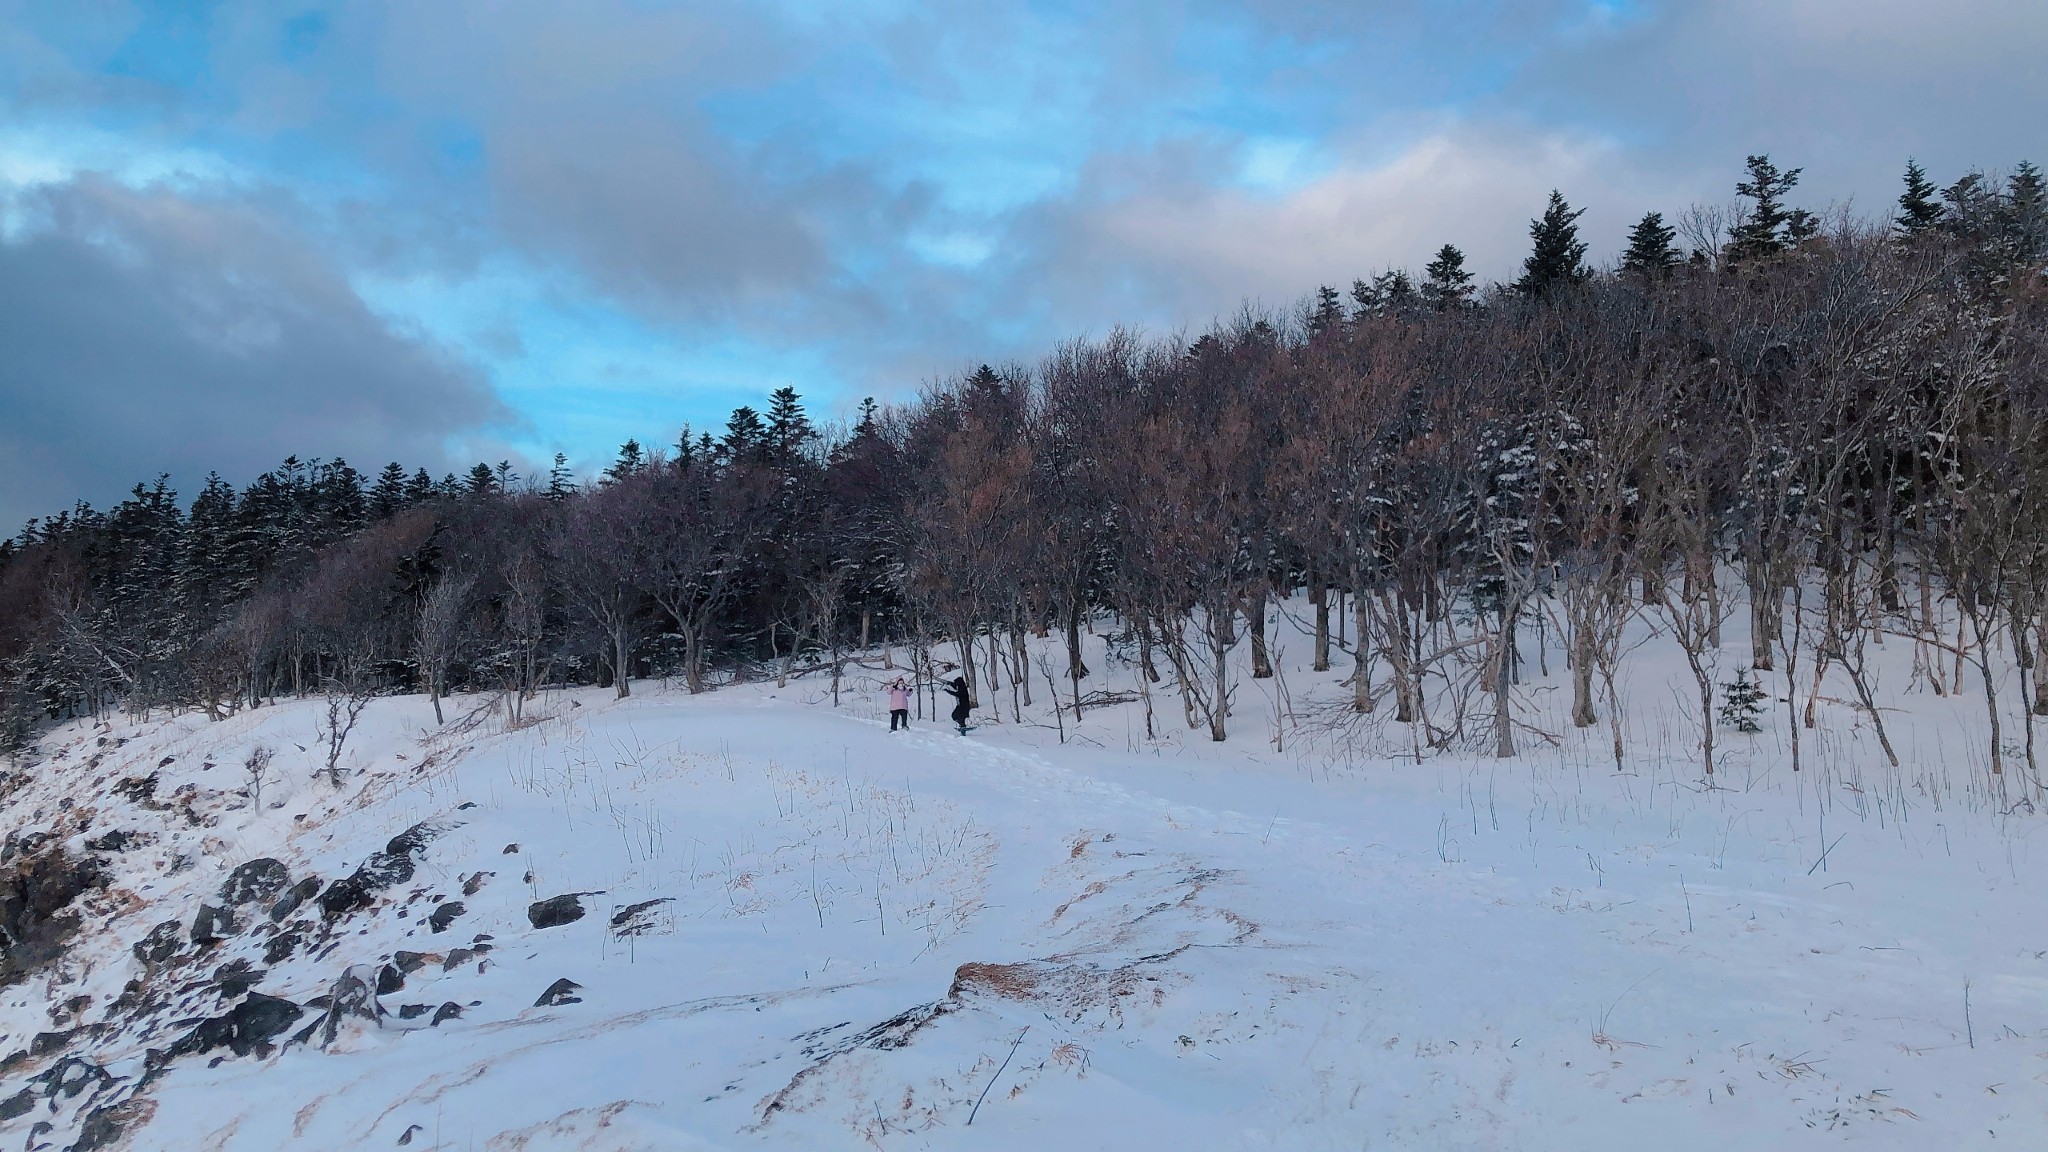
(789,427)
(2026,212)
(1649,246)
(420,488)
(745,440)
(631,459)
(560,482)
(1446,284)
(1557,255)
(387,496)
(1762,230)
(481,480)
(1328,315)
(1920,208)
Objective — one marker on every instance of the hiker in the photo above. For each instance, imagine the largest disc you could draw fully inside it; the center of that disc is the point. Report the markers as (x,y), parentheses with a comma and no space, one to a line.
(958,690)
(899,705)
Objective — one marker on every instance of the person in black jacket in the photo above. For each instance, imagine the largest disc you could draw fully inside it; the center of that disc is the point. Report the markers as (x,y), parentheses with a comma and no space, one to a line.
(961,707)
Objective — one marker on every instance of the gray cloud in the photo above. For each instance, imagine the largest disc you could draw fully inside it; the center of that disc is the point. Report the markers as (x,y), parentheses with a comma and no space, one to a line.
(147,331)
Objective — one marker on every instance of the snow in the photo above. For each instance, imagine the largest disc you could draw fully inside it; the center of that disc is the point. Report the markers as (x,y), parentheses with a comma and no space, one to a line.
(1103,943)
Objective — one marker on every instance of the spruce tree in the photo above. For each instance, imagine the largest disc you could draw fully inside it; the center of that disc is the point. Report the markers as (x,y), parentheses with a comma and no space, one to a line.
(2026,214)
(420,488)
(631,459)
(1920,209)
(387,496)
(1446,284)
(1328,314)
(1762,230)
(1649,246)
(481,480)
(1556,255)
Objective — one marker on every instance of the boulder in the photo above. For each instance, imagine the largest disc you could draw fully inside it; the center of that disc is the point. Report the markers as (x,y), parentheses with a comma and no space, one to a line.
(307,888)
(213,925)
(562,991)
(260,880)
(445,914)
(556,910)
(161,944)
(248,1027)
(643,918)
(447,1011)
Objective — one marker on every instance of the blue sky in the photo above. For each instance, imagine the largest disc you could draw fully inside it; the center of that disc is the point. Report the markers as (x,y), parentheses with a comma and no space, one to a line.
(501,228)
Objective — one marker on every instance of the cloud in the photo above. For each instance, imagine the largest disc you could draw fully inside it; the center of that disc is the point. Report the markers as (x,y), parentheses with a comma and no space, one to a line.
(147,331)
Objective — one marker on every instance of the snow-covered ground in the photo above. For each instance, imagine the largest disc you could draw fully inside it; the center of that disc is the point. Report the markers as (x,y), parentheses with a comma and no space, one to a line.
(828,935)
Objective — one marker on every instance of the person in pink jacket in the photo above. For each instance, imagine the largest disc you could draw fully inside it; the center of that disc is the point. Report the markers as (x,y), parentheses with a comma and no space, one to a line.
(899,704)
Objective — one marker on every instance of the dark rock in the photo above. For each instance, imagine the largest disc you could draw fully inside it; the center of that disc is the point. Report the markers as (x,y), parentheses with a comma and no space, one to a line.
(405,1137)
(114,841)
(236,977)
(161,944)
(465,806)
(344,896)
(562,991)
(389,980)
(394,865)
(458,958)
(353,996)
(258,880)
(71,1076)
(639,919)
(138,789)
(247,1027)
(213,925)
(282,945)
(448,1011)
(409,962)
(104,1126)
(509,849)
(38,882)
(16,1105)
(307,888)
(167,761)
(48,1042)
(555,910)
(445,915)
(413,1011)
(475,883)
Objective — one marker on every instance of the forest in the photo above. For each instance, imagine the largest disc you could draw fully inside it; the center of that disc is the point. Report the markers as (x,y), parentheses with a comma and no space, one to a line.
(1835,424)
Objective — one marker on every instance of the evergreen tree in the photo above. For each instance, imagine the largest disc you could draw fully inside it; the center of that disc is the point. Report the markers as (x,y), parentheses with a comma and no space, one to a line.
(1389,291)
(1445,283)
(746,438)
(1920,208)
(420,488)
(631,459)
(481,480)
(2026,210)
(789,427)
(560,482)
(387,497)
(1557,255)
(1762,230)
(1328,315)
(203,577)
(1649,246)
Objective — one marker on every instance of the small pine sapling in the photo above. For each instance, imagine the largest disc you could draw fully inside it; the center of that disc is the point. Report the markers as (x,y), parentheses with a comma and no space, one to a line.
(257,768)
(1742,702)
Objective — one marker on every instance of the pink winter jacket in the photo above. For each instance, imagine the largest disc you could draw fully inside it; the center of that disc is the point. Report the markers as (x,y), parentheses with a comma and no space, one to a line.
(899,699)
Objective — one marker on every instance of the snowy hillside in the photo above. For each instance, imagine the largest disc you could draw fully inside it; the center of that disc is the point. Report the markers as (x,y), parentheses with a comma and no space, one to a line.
(770,922)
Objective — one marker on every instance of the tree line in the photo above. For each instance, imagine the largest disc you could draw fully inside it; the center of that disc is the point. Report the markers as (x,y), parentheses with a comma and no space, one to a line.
(1834,425)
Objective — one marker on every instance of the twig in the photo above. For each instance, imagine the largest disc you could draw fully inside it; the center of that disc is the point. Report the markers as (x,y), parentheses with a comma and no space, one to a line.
(972,1112)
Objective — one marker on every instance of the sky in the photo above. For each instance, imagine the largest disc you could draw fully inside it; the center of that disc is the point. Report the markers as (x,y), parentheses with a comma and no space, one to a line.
(475,230)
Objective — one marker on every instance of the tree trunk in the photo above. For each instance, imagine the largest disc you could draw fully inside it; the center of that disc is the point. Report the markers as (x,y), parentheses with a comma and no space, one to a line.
(1503,681)
(1763,622)
(1361,655)
(1319,595)
(1255,615)
(1076,669)
(1583,659)
(620,677)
